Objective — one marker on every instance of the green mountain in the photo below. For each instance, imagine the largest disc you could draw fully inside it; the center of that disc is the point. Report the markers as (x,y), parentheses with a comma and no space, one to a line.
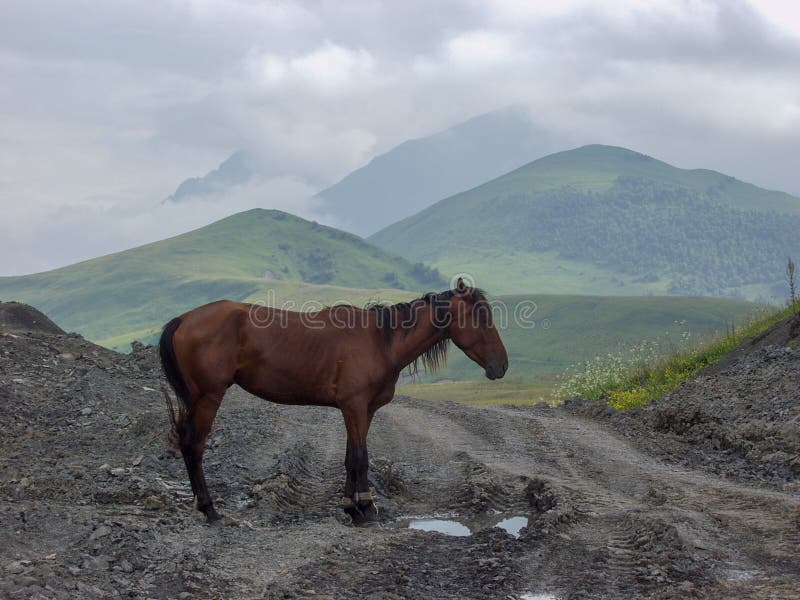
(606,220)
(130,294)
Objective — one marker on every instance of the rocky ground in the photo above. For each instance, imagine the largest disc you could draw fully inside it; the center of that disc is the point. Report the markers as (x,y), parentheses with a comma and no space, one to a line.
(696,496)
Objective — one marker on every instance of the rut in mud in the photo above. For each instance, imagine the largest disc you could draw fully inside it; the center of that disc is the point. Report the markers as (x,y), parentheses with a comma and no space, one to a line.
(93,503)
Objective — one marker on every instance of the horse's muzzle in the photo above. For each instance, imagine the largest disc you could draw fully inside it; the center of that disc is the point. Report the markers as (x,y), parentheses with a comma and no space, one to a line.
(496,370)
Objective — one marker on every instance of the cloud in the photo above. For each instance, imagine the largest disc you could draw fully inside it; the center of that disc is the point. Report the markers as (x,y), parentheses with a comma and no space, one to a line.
(329,68)
(71,233)
(480,49)
(107,109)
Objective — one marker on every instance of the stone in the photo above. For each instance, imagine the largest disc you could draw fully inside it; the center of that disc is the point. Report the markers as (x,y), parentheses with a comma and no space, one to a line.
(100,563)
(15,567)
(125,566)
(154,503)
(100,532)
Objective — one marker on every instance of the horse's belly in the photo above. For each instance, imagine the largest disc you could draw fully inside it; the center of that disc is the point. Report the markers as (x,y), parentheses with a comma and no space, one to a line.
(298,400)
(293,397)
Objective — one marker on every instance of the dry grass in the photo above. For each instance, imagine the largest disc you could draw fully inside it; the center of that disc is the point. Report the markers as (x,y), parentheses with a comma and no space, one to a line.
(480,393)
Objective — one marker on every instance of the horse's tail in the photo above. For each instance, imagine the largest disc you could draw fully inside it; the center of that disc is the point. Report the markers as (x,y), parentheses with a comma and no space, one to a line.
(169,362)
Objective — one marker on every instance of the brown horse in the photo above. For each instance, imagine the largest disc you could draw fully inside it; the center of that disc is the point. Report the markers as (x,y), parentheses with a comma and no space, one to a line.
(340,356)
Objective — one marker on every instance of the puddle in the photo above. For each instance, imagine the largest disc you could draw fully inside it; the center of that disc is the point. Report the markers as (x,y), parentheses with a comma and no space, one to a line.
(511,525)
(244,502)
(739,575)
(444,526)
(537,597)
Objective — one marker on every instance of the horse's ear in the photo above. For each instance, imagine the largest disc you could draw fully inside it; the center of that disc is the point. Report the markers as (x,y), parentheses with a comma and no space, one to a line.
(461,287)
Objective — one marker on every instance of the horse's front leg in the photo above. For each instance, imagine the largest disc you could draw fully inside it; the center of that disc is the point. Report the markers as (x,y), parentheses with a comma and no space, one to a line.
(348,504)
(359,499)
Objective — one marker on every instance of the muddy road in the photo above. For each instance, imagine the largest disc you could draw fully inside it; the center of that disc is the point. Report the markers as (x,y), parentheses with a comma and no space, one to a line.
(94,504)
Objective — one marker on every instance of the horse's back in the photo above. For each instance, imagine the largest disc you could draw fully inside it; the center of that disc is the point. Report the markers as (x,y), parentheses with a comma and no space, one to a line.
(283,356)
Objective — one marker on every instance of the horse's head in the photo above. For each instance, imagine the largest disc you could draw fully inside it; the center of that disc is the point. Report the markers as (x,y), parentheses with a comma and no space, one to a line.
(472,330)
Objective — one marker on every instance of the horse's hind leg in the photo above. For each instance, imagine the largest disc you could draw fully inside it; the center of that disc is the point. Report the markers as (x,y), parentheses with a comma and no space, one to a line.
(193,445)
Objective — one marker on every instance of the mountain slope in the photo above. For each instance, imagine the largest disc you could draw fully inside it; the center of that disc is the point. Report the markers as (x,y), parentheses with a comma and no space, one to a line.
(405,179)
(419,172)
(601,219)
(237,257)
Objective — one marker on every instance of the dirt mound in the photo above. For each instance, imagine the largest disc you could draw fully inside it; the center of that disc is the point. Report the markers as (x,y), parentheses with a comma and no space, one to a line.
(739,418)
(93,503)
(18,317)
(786,333)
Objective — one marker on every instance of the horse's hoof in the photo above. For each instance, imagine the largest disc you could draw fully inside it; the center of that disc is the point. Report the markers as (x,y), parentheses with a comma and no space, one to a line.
(349,507)
(365,516)
(212,516)
(366,521)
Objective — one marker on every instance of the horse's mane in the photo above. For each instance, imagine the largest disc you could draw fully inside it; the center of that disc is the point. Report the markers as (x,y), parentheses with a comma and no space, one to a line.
(400,318)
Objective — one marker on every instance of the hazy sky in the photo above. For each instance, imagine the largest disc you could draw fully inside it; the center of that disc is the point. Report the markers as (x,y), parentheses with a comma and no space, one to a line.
(105,107)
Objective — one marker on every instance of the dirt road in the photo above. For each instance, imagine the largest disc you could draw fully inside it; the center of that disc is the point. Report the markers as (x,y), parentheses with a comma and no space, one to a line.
(93,504)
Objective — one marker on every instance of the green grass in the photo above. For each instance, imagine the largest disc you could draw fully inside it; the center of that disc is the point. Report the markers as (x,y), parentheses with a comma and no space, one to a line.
(514,272)
(606,220)
(572,329)
(481,393)
(130,294)
(632,380)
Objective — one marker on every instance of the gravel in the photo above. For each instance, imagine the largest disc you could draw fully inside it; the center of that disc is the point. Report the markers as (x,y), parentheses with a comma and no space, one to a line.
(695,496)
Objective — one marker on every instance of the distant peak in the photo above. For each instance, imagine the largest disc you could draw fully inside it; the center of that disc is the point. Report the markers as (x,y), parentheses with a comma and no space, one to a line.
(238,168)
(266,212)
(609,150)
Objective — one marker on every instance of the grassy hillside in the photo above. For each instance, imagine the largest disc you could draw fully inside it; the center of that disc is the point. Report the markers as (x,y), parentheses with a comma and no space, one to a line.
(626,384)
(607,220)
(112,298)
(569,330)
